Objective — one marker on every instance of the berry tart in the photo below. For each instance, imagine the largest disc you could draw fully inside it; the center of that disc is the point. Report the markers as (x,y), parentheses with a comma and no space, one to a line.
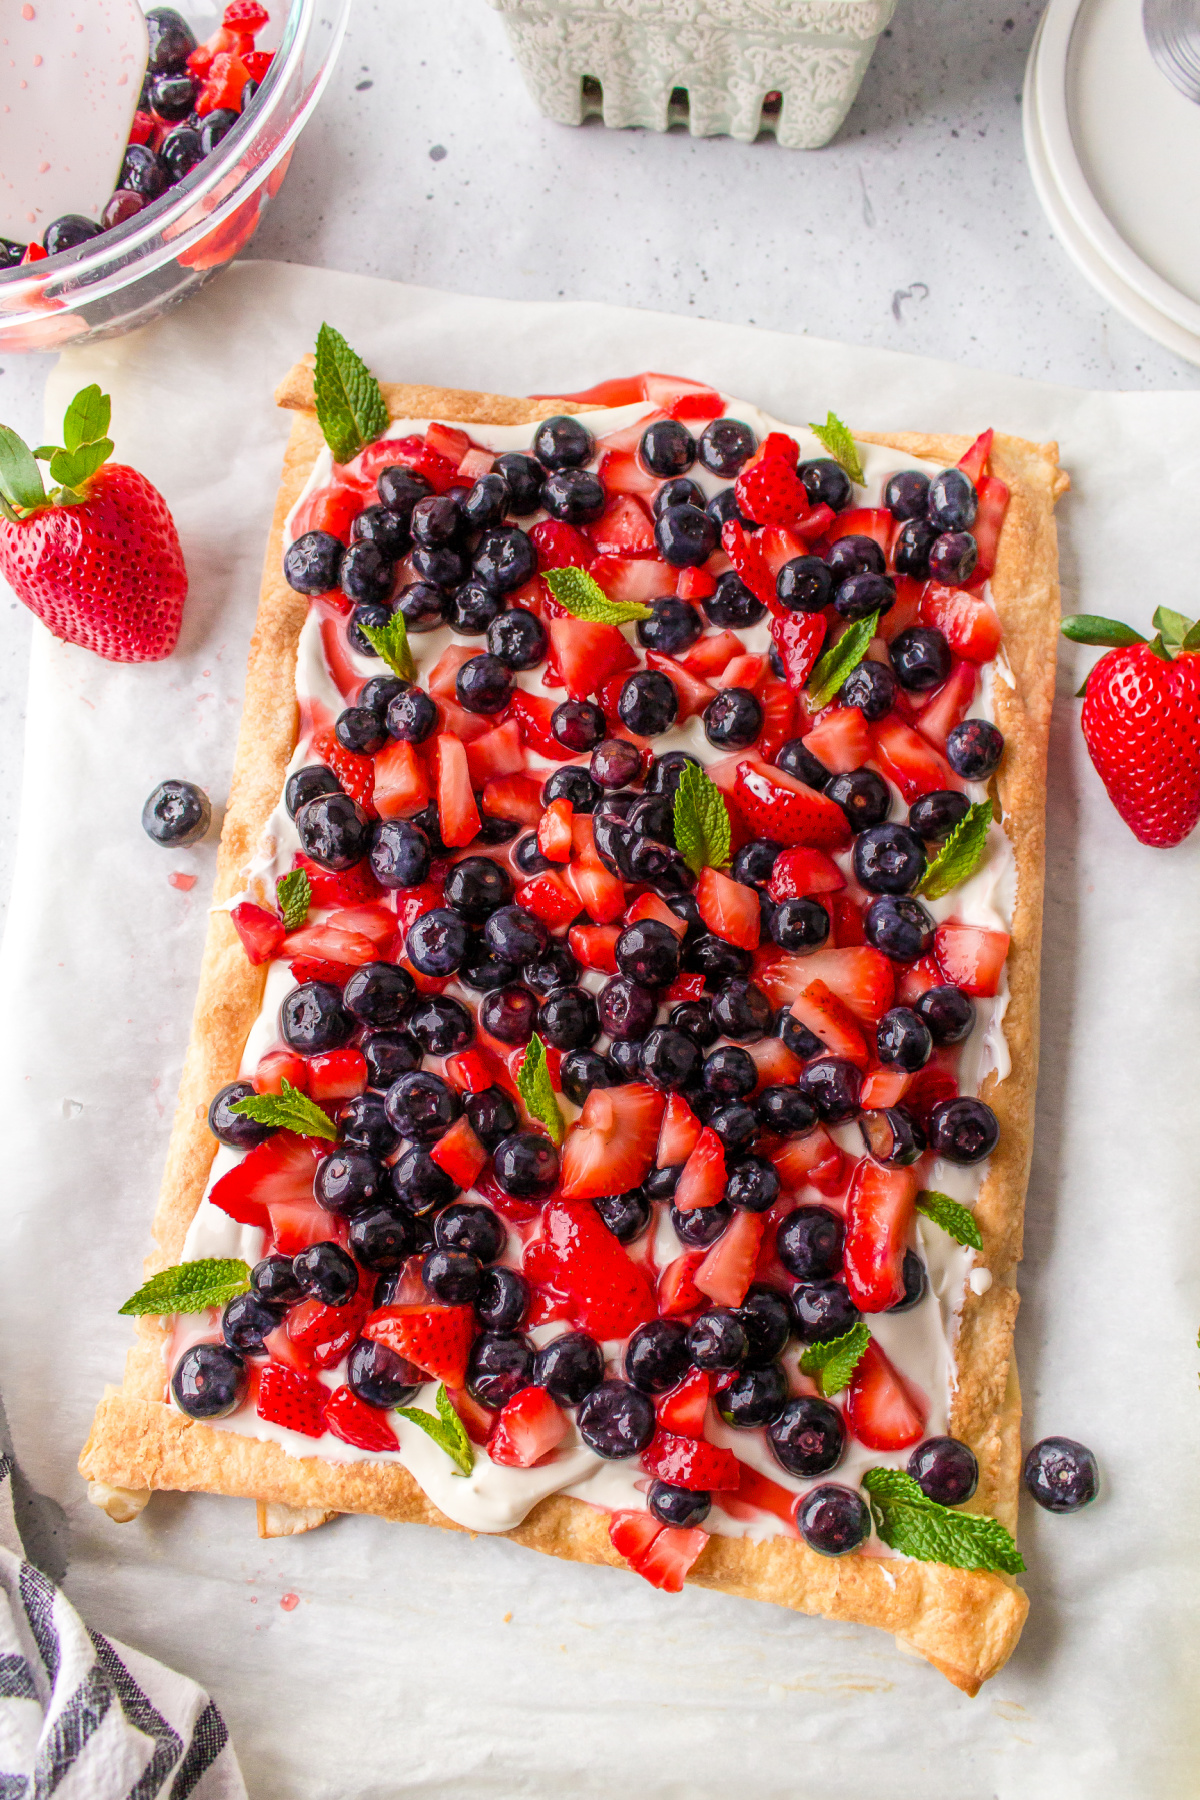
(609,1106)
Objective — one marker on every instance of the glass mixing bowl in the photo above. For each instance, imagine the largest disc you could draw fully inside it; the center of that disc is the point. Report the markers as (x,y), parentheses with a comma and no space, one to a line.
(131,274)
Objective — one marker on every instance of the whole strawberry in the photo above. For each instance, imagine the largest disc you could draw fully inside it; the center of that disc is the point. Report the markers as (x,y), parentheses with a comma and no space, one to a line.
(1141,720)
(97,558)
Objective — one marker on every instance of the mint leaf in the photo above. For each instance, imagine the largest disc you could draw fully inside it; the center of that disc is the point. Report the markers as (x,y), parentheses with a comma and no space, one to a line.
(701,821)
(351,410)
(841,446)
(952,1217)
(289,1110)
(537,1090)
(1088,628)
(447,1430)
(584,598)
(391,642)
(960,855)
(833,666)
(834,1361)
(191,1287)
(87,418)
(293,896)
(21,486)
(1173,625)
(922,1529)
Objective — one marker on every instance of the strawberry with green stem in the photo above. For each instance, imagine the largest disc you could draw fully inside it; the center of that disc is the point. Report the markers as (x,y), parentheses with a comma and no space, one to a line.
(96,558)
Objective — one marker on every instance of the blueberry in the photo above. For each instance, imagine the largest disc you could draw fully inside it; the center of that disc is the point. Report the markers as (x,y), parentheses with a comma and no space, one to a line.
(574,495)
(754,1397)
(334,831)
(755,861)
(871,687)
(833,1520)
(378,693)
(578,725)
(170,40)
(422,605)
(209,1382)
(945,1470)
(903,1039)
(826,483)
(483,685)
(963,1130)
(436,942)
(567,1019)
(785,1111)
(916,1281)
(400,853)
(799,1039)
(753,1185)
(616,1420)
(906,495)
(440,1025)
(305,784)
(526,1165)
(716,960)
(215,126)
(348,1180)
(824,1310)
(412,716)
(810,1243)
(475,888)
(734,719)
(679,491)
(554,968)
(357,728)
(741,1011)
(796,761)
(673,626)
(948,1012)
(451,1277)
(625,1056)
(648,953)
(389,1054)
(499,1366)
(703,1225)
(910,552)
(667,448)
(569,1367)
(312,1018)
(921,658)
(471,609)
(176,814)
(142,172)
(833,1085)
(808,1438)
(733,606)
(505,559)
(672,1505)
(386,529)
(582,1070)
(614,764)
(246,1321)
(440,567)
(889,859)
(730,1074)
(527,856)
(492,1115)
(365,574)
(952,558)
(524,477)
(473,1228)
(381,1238)
(952,502)
(669,1059)
(863,795)
(648,703)
(861,595)
(653,816)
(768,1321)
(725,446)
(656,1356)
(325,1272)
(508,1014)
(563,442)
(513,934)
(665,772)
(804,585)
(486,503)
(574,784)
(626,1010)
(799,925)
(934,816)
(723,507)
(183,148)
(717,1341)
(502,1300)
(900,927)
(974,749)
(421,1106)
(686,537)
(854,555)
(660,1184)
(12,254)
(1061,1475)
(400,488)
(378,993)
(892,1136)
(436,520)
(274,1281)
(381,1378)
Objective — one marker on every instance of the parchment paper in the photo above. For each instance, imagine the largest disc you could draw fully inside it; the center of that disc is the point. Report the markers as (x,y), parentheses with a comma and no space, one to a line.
(371,1660)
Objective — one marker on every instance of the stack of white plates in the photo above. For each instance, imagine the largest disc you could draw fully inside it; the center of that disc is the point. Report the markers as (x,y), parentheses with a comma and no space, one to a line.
(1114,152)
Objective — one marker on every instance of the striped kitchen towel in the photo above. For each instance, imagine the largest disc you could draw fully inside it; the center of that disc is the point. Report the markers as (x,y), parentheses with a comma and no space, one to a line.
(82,1717)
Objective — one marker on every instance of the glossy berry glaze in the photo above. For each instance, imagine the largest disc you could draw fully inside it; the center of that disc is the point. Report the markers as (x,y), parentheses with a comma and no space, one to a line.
(495,856)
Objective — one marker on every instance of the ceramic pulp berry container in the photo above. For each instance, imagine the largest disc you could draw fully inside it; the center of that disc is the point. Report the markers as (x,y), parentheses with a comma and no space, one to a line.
(131,274)
(731,67)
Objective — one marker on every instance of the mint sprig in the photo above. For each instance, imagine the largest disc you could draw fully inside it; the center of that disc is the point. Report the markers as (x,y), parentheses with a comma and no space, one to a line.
(390,641)
(702,834)
(928,1532)
(841,446)
(288,1110)
(446,1430)
(841,659)
(584,598)
(960,855)
(537,1090)
(351,409)
(954,1219)
(834,1361)
(293,896)
(191,1287)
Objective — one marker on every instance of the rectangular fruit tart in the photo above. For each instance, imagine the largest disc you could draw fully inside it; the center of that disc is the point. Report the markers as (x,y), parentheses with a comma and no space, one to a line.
(609,1103)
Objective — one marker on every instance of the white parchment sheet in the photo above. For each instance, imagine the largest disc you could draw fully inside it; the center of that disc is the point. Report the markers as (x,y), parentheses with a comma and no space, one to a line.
(410,1661)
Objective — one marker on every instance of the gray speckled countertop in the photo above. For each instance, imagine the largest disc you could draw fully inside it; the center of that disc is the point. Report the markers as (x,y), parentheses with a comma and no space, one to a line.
(917,229)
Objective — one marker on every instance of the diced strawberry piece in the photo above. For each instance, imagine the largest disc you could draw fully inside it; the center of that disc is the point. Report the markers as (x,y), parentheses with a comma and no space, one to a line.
(496,753)
(848,931)
(816,524)
(412,902)
(710,654)
(779,545)
(758,1493)
(245,15)
(278,1066)
(222,90)
(356,1423)
(448,441)
(680,398)
(355,773)
(678,1134)
(292,1398)
(729,908)
(279,1170)
(884,1087)
(917,979)
(689,1462)
(771,493)
(800,872)
(624,529)
(332,509)
(812,1158)
(927,1089)
(478,1421)
(684,1410)
(443,676)
(632,1533)
(728,1267)
(560,546)
(327,1333)
(367,919)
(339,887)
(639,579)
(463,725)
(864,521)
(949,706)
(411,452)
(297,1224)
(840,739)
(863,979)
(623,473)
(458,815)
(331,945)
(678,1294)
(468,1072)
(476,463)
(460,1153)
(595,946)
(588,654)
(692,693)
(261,932)
(702,1182)
(971,957)
(649,906)
(580,1258)
(516,797)
(554,831)
(779,710)
(993,504)
(684,987)
(529,1427)
(777,806)
(882,1411)
(337,1074)
(799,638)
(968,622)
(974,461)
(777,1065)
(742,672)
(141,132)
(695,584)
(437,1338)
(831,1020)
(550,897)
(912,763)
(533,714)
(879,1215)
(666,1563)
(610,1148)
(281,1349)
(747,558)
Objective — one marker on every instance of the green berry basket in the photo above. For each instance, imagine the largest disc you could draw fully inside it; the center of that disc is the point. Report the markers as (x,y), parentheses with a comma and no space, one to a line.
(722,67)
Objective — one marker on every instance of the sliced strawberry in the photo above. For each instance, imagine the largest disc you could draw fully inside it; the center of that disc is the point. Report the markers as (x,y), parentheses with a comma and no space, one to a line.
(602,892)
(666,1563)
(468,1072)
(812,1158)
(702,1182)
(278,1066)
(296,1225)
(465,726)
(917,979)
(848,932)
(649,906)
(927,1089)
(689,1462)
(580,1258)
(779,545)
(879,1216)
(478,1421)
(559,546)
(949,705)
(610,1148)
(281,1169)
(840,739)
(968,622)
(912,763)
(710,654)
(862,978)
(758,1493)
(458,815)
(831,1020)
(777,1065)
(436,1338)
(678,1294)
(885,1086)
(496,753)
(680,398)
(595,946)
(443,677)
(516,797)
(632,1533)
(448,441)
(993,504)
(799,638)
(777,806)
(588,654)
(529,1427)
(747,558)
(633,578)
(281,1349)
(779,711)
(771,493)
(412,902)
(460,1153)
(356,1423)
(692,693)
(328,944)
(800,871)
(339,887)
(355,773)
(327,1333)
(337,1074)
(882,1411)
(678,1134)
(401,786)
(742,672)
(623,473)
(974,461)
(261,932)
(906,611)
(554,831)
(971,957)
(291,1398)
(684,1410)
(695,584)
(729,909)
(550,897)
(864,521)
(624,529)
(369,919)
(728,1267)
